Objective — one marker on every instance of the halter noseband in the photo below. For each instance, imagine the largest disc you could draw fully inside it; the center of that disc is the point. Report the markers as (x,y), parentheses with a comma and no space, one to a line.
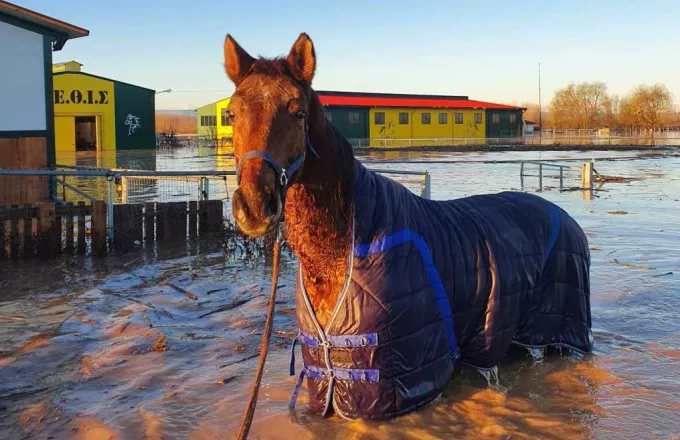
(285,174)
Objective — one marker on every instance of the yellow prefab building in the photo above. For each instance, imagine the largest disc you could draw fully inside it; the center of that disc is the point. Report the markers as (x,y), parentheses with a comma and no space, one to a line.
(213,123)
(100,114)
(400,127)
(400,120)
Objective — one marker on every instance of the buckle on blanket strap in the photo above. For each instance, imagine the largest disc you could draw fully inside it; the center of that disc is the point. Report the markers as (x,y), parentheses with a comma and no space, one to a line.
(316,372)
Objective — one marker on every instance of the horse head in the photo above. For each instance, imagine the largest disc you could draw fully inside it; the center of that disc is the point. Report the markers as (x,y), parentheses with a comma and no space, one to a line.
(269,112)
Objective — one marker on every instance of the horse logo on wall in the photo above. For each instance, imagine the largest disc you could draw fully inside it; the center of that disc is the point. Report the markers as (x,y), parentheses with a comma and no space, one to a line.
(132,122)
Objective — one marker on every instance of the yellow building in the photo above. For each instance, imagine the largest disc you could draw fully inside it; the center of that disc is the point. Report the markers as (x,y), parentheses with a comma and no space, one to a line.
(100,114)
(400,120)
(401,127)
(213,124)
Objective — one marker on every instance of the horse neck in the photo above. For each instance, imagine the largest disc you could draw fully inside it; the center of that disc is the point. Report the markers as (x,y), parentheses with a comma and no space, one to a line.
(318,214)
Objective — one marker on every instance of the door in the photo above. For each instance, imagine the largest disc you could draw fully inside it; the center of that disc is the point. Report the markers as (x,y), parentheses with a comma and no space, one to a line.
(65,133)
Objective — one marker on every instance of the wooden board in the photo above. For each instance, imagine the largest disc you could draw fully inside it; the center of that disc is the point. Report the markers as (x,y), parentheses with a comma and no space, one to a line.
(127,223)
(23,153)
(211,215)
(98,232)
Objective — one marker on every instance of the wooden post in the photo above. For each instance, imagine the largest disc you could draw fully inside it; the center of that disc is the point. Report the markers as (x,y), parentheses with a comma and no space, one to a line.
(14,236)
(587,176)
(128,226)
(82,209)
(149,222)
(175,220)
(29,246)
(2,234)
(193,218)
(98,234)
(46,220)
(161,218)
(211,215)
(68,226)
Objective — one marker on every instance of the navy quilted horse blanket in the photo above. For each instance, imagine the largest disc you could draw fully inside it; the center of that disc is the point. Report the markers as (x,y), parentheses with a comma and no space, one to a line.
(431,284)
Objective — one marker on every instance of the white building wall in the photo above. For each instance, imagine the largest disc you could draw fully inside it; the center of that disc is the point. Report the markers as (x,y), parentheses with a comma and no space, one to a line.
(22,80)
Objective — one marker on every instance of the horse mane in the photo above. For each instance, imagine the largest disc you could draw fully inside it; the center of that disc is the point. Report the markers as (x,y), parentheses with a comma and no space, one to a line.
(343,158)
(271,67)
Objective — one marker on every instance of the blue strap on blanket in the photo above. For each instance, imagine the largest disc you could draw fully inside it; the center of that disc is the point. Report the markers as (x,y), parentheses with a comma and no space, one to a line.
(386,243)
(554,233)
(335,341)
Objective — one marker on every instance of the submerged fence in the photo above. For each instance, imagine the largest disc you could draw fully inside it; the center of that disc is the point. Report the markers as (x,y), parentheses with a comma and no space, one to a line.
(98,210)
(565,173)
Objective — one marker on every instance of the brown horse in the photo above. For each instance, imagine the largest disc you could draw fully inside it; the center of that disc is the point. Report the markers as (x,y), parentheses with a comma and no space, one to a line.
(272,105)
(394,290)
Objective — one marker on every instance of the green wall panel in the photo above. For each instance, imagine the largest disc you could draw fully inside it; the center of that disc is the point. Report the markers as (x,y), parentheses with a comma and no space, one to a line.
(135,117)
(352,122)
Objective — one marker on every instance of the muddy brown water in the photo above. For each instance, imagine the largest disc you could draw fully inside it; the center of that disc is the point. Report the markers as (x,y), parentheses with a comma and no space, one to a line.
(162,345)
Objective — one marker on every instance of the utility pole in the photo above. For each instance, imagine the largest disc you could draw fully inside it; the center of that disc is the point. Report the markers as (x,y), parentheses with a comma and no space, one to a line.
(540,107)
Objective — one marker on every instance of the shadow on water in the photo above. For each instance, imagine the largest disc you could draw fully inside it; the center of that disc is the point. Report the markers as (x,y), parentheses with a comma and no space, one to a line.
(162,343)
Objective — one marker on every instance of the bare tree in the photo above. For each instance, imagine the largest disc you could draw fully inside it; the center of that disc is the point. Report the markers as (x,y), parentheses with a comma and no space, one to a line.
(580,105)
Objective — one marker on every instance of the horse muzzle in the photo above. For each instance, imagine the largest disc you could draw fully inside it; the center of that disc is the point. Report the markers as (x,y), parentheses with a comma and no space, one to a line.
(257,212)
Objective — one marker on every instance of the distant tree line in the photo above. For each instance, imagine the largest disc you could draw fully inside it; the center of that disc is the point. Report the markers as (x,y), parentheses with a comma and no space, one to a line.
(589,105)
(176,123)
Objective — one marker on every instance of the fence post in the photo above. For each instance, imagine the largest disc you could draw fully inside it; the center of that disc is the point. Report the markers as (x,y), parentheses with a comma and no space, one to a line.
(561,177)
(204,189)
(426,183)
(540,177)
(587,176)
(98,234)
(109,210)
(123,190)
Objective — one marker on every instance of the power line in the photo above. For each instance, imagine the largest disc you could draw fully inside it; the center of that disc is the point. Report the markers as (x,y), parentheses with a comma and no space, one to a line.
(202,91)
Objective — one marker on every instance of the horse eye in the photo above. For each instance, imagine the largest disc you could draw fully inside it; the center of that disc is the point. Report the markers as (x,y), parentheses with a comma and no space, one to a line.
(231,115)
(301,114)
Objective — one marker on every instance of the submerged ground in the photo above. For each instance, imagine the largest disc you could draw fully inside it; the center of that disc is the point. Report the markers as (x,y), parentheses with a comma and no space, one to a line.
(163,344)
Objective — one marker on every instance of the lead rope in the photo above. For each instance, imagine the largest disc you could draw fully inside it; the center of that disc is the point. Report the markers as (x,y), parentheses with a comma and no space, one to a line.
(264,348)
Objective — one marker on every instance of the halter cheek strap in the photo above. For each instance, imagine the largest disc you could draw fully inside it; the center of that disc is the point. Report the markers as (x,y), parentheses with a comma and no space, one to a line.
(285,175)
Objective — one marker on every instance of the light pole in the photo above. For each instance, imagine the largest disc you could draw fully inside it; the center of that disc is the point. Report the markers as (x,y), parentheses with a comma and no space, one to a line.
(540,108)
(164,91)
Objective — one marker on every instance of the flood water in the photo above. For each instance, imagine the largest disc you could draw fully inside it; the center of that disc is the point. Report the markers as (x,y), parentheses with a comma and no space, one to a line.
(163,344)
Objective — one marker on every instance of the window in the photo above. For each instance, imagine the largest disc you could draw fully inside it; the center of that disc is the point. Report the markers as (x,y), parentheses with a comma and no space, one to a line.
(513,118)
(226,121)
(425,118)
(458,118)
(403,118)
(443,118)
(329,116)
(354,118)
(478,118)
(495,118)
(379,118)
(208,121)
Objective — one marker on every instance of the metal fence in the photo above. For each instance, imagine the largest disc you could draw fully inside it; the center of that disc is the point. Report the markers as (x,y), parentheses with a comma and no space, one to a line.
(570,177)
(134,199)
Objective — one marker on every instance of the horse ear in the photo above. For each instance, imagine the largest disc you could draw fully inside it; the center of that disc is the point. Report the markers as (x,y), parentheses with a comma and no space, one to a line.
(237,61)
(302,59)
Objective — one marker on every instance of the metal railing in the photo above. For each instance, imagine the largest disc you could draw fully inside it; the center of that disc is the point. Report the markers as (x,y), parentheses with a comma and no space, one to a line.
(532,140)
(586,173)
(119,189)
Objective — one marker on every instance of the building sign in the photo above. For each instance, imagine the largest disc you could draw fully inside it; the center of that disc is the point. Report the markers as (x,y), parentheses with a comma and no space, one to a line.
(81,97)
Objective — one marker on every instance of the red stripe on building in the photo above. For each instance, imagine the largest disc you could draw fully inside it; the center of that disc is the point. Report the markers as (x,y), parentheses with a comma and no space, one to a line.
(361,101)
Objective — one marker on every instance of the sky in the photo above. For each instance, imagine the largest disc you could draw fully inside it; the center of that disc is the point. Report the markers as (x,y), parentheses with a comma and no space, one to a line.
(488,50)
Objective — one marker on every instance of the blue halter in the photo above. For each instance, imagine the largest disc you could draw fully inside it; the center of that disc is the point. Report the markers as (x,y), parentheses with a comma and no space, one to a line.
(285,174)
